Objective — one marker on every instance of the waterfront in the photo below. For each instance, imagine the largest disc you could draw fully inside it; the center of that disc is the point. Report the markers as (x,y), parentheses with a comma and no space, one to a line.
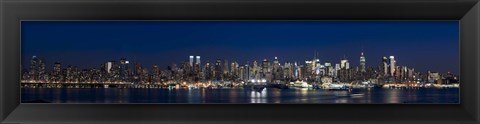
(242,95)
(292,62)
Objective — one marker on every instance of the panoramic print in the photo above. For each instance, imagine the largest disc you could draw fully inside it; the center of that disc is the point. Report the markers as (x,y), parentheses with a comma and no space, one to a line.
(240,62)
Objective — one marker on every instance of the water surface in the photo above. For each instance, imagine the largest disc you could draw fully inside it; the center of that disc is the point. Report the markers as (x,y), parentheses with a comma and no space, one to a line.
(239,95)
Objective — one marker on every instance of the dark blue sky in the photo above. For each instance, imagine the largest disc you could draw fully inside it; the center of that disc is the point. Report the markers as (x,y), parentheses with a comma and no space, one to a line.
(425,45)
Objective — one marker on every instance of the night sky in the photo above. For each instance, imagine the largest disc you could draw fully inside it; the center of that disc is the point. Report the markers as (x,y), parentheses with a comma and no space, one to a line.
(424,45)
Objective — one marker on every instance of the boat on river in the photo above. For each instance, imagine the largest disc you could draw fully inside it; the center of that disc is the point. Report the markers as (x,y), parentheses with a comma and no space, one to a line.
(302,84)
(335,86)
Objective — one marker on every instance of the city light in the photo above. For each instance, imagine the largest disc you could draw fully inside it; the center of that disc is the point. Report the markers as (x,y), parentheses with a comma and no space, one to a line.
(237,62)
(234,74)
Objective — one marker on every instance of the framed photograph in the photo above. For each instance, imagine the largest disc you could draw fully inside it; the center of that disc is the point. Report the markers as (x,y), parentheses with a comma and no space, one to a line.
(270,62)
(223,61)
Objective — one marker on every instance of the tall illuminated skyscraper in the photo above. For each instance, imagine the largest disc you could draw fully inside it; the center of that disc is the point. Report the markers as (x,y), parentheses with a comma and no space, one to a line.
(276,64)
(196,67)
(318,67)
(329,68)
(198,60)
(335,72)
(385,66)
(37,68)
(34,68)
(256,70)
(241,72)
(295,70)
(265,66)
(310,66)
(344,63)
(191,61)
(226,68)
(233,68)
(362,63)
(247,72)
(392,65)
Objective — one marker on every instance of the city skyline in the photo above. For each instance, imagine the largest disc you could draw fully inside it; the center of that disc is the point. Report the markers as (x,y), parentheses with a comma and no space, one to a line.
(192,70)
(197,60)
(397,62)
(225,40)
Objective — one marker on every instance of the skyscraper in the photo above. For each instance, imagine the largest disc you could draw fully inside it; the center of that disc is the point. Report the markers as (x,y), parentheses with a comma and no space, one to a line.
(57,68)
(198,60)
(234,68)
(318,67)
(57,71)
(191,61)
(196,67)
(247,72)
(265,66)
(69,74)
(315,63)
(362,63)
(37,68)
(255,72)
(335,72)
(208,71)
(296,71)
(310,66)
(411,73)
(226,69)
(218,70)
(276,65)
(108,66)
(344,63)
(241,73)
(123,69)
(156,74)
(385,66)
(328,68)
(287,70)
(392,65)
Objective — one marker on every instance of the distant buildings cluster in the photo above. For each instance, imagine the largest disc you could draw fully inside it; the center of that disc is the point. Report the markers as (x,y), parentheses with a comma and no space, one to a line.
(223,71)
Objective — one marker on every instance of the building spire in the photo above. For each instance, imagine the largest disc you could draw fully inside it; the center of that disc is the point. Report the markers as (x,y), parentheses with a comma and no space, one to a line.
(361,51)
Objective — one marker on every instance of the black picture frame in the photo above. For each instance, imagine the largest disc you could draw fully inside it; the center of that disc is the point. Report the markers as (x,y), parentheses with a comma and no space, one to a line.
(13,11)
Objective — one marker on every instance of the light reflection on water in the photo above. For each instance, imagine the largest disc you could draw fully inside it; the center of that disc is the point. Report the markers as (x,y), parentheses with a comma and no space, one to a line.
(267,95)
(393,96)
(258,97)
(276,96)
(233,94)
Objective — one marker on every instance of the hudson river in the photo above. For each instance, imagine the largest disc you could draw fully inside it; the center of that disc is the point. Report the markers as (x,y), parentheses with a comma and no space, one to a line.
(240,95)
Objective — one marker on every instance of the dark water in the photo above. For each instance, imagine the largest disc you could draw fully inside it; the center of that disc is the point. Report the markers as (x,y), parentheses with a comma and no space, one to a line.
(114,95)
